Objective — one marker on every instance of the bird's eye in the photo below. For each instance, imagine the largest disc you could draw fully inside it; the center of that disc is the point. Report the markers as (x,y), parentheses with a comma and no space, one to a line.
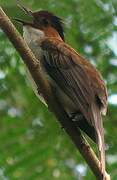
(46,22)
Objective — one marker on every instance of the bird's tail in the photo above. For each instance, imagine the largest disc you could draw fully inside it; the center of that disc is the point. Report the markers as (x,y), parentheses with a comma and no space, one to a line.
(98,124)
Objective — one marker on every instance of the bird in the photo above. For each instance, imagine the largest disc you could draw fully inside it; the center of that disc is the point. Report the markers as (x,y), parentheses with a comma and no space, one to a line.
(78,85)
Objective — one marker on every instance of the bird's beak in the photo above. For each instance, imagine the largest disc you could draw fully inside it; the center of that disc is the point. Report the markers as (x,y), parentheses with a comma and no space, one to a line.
(27,11)
(23,22)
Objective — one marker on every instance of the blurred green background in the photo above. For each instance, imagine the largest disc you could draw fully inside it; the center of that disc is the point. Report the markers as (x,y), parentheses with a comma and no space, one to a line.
(33,146)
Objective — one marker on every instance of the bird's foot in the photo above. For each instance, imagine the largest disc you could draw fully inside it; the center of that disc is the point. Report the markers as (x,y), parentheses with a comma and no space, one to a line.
(76,116)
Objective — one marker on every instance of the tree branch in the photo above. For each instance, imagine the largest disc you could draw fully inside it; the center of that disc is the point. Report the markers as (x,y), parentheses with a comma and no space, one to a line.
(34,67)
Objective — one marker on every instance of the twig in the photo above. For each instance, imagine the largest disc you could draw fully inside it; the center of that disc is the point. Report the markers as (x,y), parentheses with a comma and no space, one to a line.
(38,76)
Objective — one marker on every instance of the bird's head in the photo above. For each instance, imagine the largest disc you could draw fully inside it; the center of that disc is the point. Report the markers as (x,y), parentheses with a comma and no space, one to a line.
(45,22)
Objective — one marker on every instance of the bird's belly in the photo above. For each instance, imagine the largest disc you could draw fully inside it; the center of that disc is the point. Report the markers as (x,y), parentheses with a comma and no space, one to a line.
(65,101)
(34,87)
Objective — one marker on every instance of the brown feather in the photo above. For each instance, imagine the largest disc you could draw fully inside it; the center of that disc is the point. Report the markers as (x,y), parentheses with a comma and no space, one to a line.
(81,82)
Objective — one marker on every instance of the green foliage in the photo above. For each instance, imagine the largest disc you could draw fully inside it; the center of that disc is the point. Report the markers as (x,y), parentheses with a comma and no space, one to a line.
(32,144)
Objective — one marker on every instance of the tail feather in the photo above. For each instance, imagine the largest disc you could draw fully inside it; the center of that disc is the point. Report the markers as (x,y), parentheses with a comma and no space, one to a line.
(82,123)
(98,124)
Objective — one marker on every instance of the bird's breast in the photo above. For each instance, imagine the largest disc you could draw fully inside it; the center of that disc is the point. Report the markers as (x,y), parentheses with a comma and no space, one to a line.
(31,36)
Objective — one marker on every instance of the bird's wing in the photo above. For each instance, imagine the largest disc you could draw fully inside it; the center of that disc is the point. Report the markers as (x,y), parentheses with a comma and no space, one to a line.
(75,76)
(71,78)
(80,81)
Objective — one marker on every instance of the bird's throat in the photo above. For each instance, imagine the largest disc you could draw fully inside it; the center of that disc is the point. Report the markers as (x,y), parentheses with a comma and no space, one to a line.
(32,35)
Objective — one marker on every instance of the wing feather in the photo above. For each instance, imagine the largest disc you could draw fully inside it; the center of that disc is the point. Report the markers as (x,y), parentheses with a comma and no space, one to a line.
(72,78)
(80,81)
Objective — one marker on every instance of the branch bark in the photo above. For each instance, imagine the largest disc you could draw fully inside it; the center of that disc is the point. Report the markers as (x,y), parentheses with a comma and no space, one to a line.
(34,67)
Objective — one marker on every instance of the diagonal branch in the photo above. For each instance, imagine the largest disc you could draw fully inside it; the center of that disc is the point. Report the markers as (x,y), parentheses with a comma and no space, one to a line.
(34,67)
